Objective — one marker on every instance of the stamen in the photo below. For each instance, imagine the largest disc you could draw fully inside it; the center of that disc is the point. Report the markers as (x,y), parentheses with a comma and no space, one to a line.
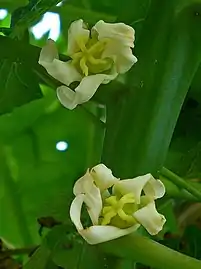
(106,209)
(107,218)
(117,209)
(95,61)
(112,200)
(89,58)
(84,66)
(127,199)
(81,44)
(97,47)
(77,55)
(124,216)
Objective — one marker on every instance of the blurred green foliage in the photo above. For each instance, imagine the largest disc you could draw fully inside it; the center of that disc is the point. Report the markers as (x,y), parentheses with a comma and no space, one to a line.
(36,179)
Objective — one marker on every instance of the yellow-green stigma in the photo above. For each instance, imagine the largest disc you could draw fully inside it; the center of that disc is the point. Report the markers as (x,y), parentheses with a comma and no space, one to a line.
(88,59)
(118,212)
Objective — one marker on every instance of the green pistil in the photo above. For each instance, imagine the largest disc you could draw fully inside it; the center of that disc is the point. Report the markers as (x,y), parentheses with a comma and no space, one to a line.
(116,208)
(89,58)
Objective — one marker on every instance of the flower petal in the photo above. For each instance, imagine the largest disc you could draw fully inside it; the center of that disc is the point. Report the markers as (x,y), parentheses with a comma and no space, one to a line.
(77,33)
(149,218)
(92,197)
(85,90)
(154,188)
(100,233)
(121,55)
(103,177)
(134,185)
(75,211)
(67,97)
(83,184)
(89,85)
(49,52)
(120,32)
(64,72)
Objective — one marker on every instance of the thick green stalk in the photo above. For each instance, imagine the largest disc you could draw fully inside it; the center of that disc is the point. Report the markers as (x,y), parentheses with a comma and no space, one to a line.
(141,123)
(149,252)
(181,183)
(173,191)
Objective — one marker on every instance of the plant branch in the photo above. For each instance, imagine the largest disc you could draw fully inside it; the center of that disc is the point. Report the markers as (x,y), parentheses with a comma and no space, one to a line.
(17,251)
(148,252)
(181,183)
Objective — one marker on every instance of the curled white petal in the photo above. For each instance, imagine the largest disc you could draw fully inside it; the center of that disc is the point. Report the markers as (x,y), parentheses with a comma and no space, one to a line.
(83,184)
(84,91)
(92,196)
(75,211)
(67,97)
(99,233)
(149,218)
(89,85)
(121,55)
(49,52)
(103,177)
(154,188)
(116,31)
(64,72)
(77,32)
(134,185)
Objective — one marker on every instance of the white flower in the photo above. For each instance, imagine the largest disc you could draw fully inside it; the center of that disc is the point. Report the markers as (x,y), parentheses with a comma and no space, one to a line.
(97,57)
(120,213)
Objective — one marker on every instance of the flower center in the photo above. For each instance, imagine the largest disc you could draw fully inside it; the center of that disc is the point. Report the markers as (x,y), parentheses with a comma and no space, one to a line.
(89,58)
(118,212)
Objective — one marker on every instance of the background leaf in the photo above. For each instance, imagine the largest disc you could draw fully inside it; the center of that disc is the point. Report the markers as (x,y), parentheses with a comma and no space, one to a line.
(18,85)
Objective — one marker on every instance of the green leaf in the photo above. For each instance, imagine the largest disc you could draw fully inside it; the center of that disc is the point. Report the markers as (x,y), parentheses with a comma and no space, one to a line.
(39,259)
(44,256)
(68,251)
(147,116)
(33,130)
(22,2)
(28,15)
(62,247)
(75,13)
(15,3)
(185,150)
(18,85)
(11,125)
(18,51)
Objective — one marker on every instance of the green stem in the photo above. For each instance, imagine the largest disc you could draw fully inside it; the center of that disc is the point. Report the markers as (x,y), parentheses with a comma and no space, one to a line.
(149,252)
(173,191)
(17,251)
(180,182)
